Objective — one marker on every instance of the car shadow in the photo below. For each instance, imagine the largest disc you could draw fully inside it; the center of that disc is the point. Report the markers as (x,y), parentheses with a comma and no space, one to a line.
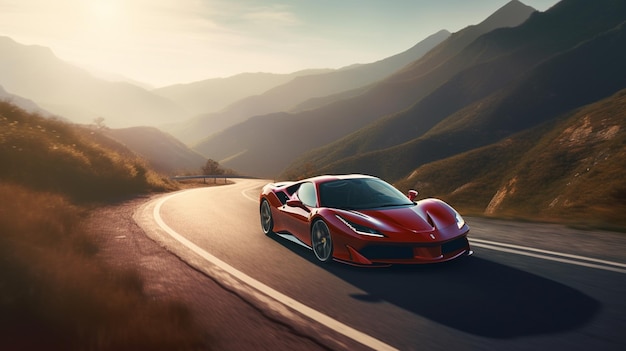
(471,294)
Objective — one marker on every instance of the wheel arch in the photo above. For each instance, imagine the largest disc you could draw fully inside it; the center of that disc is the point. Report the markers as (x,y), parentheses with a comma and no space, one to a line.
(339,237)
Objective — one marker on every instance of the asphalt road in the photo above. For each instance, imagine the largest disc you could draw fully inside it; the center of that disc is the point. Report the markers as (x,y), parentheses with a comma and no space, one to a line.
(527,287)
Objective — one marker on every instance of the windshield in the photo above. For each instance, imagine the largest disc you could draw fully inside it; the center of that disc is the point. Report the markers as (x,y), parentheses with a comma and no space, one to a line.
(361,193)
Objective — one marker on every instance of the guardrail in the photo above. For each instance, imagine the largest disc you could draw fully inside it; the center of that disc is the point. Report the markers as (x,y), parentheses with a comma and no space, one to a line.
(215,177)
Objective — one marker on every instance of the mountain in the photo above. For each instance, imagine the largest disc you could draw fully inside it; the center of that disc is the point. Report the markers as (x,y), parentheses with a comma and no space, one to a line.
(163,152)
(23,103)
(35,73)
(212,95)
(571,168)
(521,77)
(264,145)
(290,95)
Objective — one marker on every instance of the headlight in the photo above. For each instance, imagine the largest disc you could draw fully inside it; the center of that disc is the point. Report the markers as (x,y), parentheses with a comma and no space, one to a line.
(361,229)
(460,222)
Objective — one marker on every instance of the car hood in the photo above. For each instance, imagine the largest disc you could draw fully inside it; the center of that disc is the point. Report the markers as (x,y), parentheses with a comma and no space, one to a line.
(425,216)
(407,218)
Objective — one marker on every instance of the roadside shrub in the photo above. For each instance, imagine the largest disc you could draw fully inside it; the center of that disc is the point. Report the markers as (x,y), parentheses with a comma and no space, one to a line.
(55,294)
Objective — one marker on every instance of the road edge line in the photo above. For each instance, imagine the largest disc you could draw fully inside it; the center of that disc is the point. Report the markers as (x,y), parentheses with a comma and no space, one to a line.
(285,300)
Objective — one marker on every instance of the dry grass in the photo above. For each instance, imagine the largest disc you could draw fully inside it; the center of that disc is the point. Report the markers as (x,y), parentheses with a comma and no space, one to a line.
(570,170)
(55,294)
(50,155)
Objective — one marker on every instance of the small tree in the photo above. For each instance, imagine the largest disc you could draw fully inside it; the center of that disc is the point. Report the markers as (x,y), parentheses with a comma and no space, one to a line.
(99,122)
(212,167)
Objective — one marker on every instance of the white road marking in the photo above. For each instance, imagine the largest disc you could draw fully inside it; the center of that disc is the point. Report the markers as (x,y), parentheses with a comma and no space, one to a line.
(244,192)
(344,329)
(531,252)
(276,295)
(551,255)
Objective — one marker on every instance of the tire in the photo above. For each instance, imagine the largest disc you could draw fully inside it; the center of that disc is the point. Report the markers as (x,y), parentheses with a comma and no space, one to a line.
(267,222)
(321,241)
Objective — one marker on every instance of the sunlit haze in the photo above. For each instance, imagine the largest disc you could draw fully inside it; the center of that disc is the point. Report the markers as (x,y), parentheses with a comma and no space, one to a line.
(162,42)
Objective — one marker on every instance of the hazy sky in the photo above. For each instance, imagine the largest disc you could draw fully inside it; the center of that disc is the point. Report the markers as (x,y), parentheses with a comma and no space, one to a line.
(162,42)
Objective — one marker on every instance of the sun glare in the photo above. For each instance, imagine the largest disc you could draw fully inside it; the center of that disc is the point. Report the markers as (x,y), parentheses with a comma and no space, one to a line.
(104,10)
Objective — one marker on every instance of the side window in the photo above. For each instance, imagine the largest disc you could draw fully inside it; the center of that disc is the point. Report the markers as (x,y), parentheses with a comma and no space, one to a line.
(307,195)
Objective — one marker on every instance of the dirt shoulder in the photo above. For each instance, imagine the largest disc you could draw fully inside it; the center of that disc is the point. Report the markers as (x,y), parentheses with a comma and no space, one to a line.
(230,322)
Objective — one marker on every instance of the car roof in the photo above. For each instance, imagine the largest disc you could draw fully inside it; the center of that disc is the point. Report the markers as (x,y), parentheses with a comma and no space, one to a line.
(331,177)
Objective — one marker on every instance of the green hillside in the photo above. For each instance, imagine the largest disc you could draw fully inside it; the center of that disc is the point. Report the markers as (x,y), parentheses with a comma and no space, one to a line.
(570,169)
(55,291)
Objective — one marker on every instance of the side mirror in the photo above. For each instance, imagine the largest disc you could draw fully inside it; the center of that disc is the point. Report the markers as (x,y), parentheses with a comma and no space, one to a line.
(412,194)
(294,203)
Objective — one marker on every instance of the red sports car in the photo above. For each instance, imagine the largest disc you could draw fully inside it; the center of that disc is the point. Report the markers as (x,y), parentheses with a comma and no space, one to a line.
(363,220)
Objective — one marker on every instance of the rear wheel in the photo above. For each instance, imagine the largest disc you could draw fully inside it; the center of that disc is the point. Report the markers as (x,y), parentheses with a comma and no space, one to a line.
(321,241)
(267,222)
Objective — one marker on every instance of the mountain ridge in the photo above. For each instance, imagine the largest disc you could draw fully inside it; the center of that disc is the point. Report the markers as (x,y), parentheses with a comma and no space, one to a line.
(35,73)
(396,129)
(502,114)
(214,94)
(333,121)
(300,89)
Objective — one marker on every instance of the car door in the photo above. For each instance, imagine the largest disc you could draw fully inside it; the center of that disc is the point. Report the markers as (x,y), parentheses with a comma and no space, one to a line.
(298,211)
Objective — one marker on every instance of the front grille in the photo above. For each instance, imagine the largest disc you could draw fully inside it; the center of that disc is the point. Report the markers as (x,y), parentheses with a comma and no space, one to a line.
(386,252)
(403,252)
(454,245)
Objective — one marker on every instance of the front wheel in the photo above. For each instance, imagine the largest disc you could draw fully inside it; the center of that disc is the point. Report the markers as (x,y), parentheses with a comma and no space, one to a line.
(267,222)
(322,241)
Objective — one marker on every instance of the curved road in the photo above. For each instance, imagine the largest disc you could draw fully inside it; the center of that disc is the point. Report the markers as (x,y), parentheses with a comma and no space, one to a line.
(527,287)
